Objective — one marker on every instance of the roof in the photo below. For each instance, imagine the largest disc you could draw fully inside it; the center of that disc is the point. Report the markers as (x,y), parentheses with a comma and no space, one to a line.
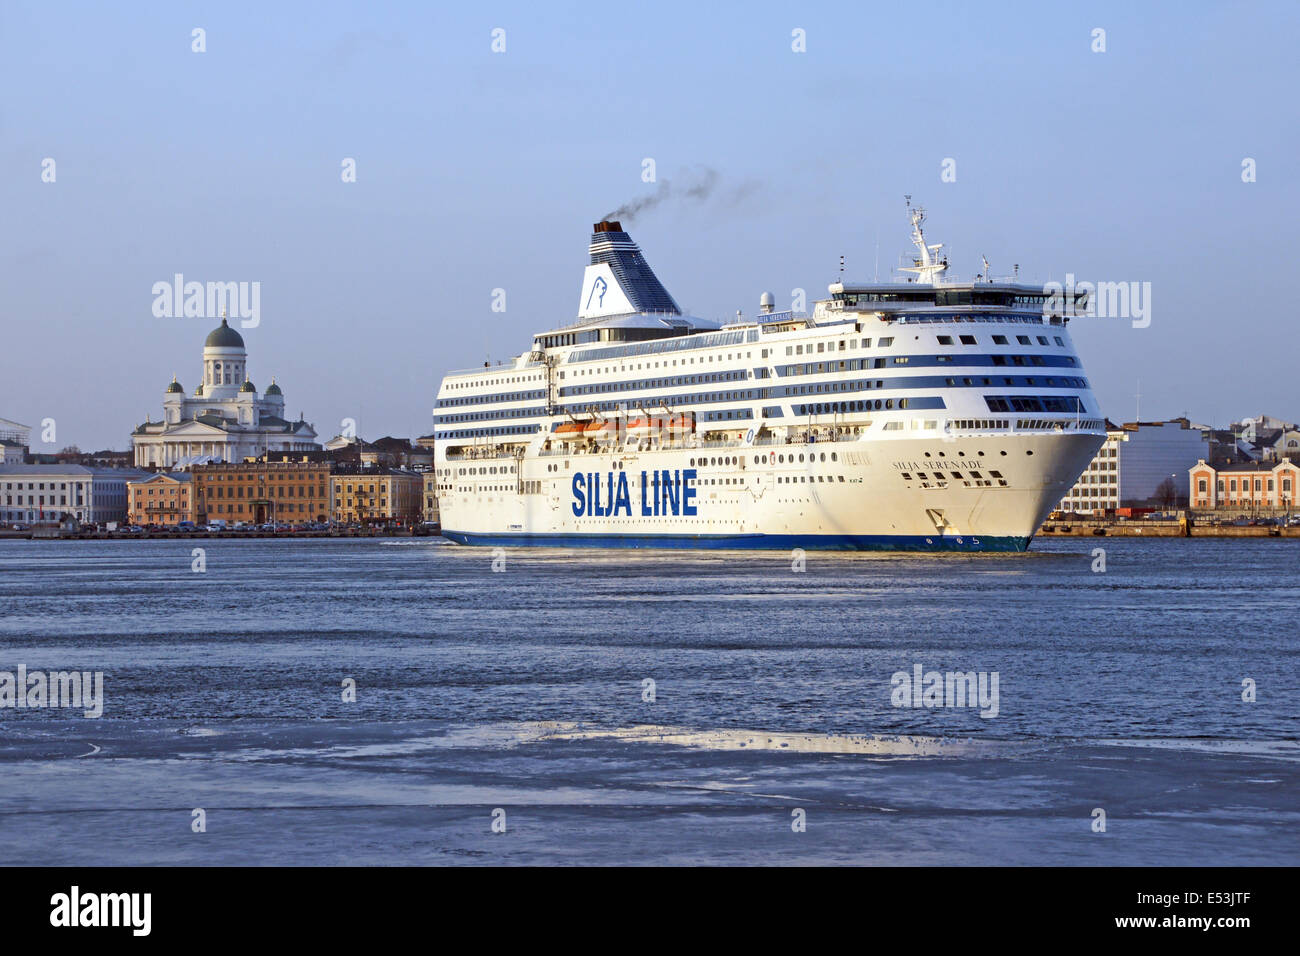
(83,471)
(388,441)
(223,337)
(181,476)
(1249,467)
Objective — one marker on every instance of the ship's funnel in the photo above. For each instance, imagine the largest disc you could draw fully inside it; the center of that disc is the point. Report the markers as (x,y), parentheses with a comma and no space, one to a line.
(619,281)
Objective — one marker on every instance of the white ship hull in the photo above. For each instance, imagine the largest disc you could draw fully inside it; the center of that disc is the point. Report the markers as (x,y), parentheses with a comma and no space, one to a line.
(857,500)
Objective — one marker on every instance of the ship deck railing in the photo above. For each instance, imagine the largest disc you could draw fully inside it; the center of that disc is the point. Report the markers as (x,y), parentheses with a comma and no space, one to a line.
(571,450)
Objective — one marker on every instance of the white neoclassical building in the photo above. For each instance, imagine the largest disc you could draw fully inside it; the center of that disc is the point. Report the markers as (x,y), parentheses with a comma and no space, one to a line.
(35,493)
(224,420)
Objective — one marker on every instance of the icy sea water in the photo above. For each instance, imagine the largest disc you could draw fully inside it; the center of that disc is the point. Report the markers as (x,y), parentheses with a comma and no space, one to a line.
(523,690)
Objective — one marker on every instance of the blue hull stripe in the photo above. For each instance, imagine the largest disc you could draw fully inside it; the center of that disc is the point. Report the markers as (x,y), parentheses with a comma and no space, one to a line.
(728,542)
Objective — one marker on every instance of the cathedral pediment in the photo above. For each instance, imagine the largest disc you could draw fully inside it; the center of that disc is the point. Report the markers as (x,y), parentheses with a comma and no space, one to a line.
(208,426)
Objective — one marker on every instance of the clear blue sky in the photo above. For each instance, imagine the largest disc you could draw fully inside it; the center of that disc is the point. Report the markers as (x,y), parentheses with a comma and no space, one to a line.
(478,170)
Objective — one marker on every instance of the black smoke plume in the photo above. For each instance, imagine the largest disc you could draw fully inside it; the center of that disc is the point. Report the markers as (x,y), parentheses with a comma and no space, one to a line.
(697,187)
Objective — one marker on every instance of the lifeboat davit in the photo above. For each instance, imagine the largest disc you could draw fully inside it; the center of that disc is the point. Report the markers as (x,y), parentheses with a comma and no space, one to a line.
(680,425)
(569,431)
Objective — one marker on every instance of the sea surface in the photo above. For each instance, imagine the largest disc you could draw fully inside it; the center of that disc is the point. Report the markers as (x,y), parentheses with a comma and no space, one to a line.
(652,708)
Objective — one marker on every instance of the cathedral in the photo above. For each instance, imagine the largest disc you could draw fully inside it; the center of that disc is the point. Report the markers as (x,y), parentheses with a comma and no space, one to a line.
(224,420)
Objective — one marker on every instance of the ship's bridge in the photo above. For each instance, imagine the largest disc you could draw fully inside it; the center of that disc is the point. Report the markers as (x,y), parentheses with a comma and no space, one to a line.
(893,296)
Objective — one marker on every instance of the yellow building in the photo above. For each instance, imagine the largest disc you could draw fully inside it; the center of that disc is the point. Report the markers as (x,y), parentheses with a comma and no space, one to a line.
(377,496)
(431,496)
(166,499)
(262,491)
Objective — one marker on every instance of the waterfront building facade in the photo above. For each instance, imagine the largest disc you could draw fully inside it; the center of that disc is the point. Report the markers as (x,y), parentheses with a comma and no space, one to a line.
(1097,489)
(1248,487)
(260,491)
(377,496)
(163,498)
(430,510)
(39,493)
(1141,464)
(225,419)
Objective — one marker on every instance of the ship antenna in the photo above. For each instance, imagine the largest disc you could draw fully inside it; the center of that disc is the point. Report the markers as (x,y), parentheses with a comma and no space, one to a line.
(928,266)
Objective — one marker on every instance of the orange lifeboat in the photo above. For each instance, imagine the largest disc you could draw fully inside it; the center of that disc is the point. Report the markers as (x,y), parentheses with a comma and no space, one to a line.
(643,427)
(601,429)
(569,431)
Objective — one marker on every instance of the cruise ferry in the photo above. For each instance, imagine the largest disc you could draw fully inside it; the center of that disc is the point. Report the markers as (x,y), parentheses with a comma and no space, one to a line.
(922,414)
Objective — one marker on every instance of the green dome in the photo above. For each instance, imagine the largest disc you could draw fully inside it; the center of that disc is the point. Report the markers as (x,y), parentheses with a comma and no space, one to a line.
(223,337)
(247,387)
(273,389)
(175,386)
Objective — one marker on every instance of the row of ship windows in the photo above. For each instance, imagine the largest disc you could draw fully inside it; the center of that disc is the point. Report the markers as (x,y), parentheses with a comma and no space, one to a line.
(913,382)
(887,341)
(820,348)
(638,385)
(659,346)
(925,361)
(923,476)
(534,395)
(810,368)
(702,340)
(700,398)
(476,382)
(1070,404)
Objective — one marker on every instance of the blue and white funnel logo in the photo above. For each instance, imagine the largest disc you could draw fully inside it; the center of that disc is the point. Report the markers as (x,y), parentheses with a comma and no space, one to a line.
(598,289)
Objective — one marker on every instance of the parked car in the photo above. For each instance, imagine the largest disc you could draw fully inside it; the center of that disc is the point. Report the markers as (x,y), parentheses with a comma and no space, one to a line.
(186,526)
